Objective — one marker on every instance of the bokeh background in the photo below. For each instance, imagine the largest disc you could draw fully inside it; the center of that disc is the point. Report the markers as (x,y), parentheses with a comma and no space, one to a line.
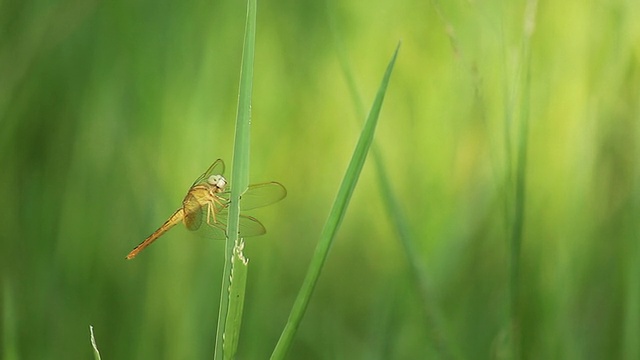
(109,110)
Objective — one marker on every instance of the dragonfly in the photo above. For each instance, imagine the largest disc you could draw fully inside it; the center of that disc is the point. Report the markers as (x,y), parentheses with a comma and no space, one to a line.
(205,207)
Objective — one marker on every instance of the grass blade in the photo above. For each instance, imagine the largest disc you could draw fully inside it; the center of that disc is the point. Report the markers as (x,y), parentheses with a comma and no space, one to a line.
(335,218)
(9,323)
(240,178)
(520,185)
(96,353)
(239,271)
(399,221)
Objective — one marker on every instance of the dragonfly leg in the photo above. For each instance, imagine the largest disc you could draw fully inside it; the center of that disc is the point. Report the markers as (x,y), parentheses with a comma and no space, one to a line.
(211,209)
(211,213)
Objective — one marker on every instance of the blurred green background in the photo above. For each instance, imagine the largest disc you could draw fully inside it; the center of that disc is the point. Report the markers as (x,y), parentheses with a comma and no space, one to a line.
(109,110)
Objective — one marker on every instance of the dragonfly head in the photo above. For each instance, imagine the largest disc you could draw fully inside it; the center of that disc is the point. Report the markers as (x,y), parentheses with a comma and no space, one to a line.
(218,181)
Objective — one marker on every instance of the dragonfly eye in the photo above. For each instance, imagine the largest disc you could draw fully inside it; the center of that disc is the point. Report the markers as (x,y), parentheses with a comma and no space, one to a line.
(217,181)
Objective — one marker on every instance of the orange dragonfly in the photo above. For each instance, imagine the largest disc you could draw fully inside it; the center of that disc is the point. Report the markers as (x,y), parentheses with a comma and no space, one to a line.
(208,198)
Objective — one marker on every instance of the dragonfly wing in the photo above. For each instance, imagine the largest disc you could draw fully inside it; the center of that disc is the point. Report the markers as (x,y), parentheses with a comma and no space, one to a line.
(193,212)
(217,168)
(217,230)
(259,195)
(250,226)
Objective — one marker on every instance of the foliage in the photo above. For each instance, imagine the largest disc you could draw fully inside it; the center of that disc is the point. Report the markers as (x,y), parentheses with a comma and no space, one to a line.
(109,110)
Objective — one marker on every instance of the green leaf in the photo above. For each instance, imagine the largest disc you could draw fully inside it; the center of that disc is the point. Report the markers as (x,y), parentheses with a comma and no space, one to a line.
(96,353)
(431,314)
(240,181)
(335,218)
(236,302)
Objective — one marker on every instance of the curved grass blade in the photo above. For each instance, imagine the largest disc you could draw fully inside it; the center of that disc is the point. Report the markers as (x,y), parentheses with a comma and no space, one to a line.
(335,218)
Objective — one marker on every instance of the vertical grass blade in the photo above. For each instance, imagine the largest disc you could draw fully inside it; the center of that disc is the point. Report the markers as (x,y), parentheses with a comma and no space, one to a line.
(9,323)
(94,346)
(335,218)
(431,316)
(239,271)
(520,183)
(240,179)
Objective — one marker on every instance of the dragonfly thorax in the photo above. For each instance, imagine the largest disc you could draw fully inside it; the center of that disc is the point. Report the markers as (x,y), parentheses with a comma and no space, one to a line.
(218,181)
